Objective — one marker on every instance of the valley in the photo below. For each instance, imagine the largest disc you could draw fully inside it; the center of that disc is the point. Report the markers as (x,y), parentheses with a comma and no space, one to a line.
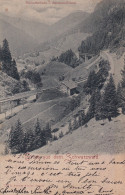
(52,110)
(62,85)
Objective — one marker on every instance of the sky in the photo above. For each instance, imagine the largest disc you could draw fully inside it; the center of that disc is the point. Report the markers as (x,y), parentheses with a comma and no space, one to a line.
(45,11)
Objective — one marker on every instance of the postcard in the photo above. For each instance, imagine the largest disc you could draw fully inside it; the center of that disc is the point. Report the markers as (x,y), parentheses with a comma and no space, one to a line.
(62,97)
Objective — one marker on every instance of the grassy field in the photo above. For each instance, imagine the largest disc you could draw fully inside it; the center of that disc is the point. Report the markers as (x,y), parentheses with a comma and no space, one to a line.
(28,113)
(51,94)
(50,111)
(54,69)
(49,81)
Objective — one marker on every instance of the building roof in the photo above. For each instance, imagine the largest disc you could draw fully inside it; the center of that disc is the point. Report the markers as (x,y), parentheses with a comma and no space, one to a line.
(69,84)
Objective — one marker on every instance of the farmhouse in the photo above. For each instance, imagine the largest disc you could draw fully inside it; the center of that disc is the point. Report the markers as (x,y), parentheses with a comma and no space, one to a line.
(69,87)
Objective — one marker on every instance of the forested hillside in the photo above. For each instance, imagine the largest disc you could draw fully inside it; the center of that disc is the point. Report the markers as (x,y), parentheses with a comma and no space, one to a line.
(108,27)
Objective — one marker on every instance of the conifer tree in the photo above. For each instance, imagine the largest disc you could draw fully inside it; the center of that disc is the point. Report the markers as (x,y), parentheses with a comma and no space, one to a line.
(119,94)
(43,138)
(16,138)
(47,130)
(0,53)
(25,85)
(37,135)
(29,141)
(8,65)
(91,83)
(81,119)
(110,101)
(91,110)
(123,100)
(6,55)
(123,77)
(14,72)
(123,90)
(98,106)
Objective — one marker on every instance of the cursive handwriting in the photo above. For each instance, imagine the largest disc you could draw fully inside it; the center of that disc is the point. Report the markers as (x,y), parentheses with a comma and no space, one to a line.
(60,175)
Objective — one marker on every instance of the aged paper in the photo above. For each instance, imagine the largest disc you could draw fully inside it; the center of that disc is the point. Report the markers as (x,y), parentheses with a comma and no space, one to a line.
(62,97)
(62,174)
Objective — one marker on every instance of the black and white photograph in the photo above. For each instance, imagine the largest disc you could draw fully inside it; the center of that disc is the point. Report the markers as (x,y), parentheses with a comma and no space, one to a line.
(62,97)
(62,77)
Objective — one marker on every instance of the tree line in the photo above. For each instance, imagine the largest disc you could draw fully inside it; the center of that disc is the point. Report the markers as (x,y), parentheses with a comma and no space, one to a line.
(105,101)
(33,76)
(121,91)
(21,141)
(104,105)
(68,57)
(78,121)
(97,80)
(109,33)
(8,66)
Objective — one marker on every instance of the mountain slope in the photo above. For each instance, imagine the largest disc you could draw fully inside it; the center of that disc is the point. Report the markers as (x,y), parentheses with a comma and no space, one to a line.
(68,22)
(24,36)
(19,41)
(64,36)
(109,29)
(95,20)
(7,84)
(54,69)
(34,29)
(99,137)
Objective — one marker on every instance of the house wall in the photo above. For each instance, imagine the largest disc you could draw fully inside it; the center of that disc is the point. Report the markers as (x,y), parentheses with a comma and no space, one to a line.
(65,89)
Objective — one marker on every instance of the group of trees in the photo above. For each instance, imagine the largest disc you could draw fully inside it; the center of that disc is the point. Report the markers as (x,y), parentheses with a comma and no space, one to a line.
(121,91)
(97,80)
(94,43)
(69,58)
(104,97)
(104,102)
(109,33)
(104,105)
(20,141)
(20,87)
(78,121)
(72,104)
(33,76)
(8,64)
